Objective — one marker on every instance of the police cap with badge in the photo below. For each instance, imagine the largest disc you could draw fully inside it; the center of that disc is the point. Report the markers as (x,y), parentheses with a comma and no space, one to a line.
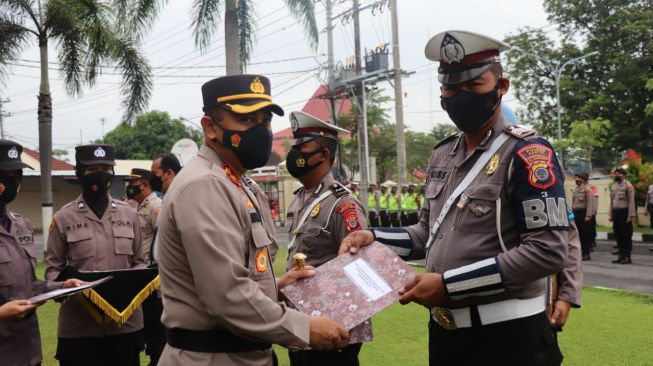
(239,94)
(95,154)
(137,173)
(10,156)
(463,55)
(306,127)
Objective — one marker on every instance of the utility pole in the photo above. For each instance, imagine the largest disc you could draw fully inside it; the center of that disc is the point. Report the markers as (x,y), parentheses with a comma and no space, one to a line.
(399,98)
(363,151)
(2,115)
(332,76)
(102,121)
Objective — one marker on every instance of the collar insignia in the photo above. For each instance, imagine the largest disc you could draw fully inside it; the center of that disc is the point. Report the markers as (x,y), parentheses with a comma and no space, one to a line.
(315,210)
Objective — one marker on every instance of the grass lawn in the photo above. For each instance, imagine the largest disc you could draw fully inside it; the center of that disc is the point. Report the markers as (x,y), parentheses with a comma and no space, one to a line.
(612,328)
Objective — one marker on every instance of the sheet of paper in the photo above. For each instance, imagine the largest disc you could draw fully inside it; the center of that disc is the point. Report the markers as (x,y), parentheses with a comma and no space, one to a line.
(367,279)
(63,292)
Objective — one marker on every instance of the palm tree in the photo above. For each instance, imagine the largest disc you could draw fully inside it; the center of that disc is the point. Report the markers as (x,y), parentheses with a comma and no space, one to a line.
(239,27)
(88,35)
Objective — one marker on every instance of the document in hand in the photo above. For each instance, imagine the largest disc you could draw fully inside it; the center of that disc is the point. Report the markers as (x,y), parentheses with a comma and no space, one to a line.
(352,288)
(65,292)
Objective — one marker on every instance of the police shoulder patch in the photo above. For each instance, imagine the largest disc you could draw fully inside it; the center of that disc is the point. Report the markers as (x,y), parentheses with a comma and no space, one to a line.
(350,216)
(538,190)
(338,190)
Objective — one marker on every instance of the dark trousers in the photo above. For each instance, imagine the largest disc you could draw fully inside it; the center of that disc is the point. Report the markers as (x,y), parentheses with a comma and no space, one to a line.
(527,341)
(385,220)
(650,214)
(584,231)
(123,350)
(347,357)
(404,219)
(412,218)
(373,219)
(394,219)
(154,332)
(623,231)
(593,227)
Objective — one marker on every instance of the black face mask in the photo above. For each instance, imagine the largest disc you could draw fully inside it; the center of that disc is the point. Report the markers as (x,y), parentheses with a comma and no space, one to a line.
(9,187)
(618,178)
(156,183)
(468,110)
(133,190)
(297,162)
(252,147)
(96,184)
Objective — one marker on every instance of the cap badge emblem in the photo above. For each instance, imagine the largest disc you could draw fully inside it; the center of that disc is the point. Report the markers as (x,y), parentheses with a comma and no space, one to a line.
(300,162)
(293,122)
(13,153)
(99,153)
(451,50)
(235,140)
(257,86)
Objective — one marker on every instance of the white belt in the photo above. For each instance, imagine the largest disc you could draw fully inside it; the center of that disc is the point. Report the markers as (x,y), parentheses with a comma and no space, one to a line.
(489,313)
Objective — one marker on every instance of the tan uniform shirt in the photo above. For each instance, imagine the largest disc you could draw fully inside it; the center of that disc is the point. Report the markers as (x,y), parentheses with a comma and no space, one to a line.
(215,252)
(583,199)
(148,213)
(525,179)
(570,286)
(622,195)
(78,238)
(20,343)
(320,235)
(649,198)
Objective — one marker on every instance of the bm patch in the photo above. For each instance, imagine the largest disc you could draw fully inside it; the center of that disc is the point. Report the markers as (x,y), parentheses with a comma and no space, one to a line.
(538,193)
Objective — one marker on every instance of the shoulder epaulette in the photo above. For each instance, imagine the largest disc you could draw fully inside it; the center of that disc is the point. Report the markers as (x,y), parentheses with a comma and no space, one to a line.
(338,190)
(518,131)
(446,140)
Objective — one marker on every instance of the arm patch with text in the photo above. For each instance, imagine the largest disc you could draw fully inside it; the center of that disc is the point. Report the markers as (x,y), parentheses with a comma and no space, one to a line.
(350,216)
(538,187)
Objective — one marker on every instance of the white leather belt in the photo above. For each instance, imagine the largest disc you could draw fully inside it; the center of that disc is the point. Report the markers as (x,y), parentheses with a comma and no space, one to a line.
(489,313)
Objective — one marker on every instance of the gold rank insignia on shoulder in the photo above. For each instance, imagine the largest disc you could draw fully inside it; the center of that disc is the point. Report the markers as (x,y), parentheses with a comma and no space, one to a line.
(493,164)
(257,86)
(315,210)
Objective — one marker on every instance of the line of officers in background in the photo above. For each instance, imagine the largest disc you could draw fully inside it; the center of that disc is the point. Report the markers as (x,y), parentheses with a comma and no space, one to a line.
(393,208)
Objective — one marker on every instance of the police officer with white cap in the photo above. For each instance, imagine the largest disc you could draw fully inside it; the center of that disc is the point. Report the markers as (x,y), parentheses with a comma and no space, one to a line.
(494,222)
(321,214)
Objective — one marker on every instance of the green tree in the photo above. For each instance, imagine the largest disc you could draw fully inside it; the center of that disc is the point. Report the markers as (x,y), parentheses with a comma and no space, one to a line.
(443,130)
(649,107)
(86,34)
(151,134)
(239,26)
(419,146)
(610,85)
(60,154)
(585,136)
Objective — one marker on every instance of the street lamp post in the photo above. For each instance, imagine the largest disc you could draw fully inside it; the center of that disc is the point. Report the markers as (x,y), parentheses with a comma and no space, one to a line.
(558,74)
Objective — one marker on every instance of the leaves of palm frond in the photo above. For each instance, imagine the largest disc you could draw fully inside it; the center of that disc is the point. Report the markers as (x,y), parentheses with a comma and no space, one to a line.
(206,14)
(135,17)
(246,32)
(304,10)
(13,38)
(137,76)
